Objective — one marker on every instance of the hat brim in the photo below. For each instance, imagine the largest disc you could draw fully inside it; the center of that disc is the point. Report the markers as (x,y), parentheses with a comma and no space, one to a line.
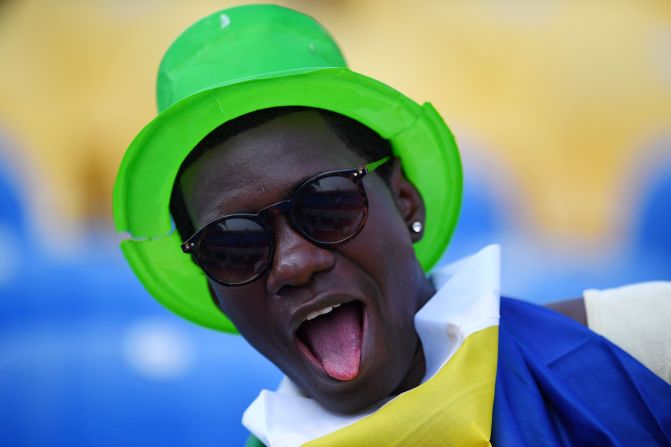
(418,135)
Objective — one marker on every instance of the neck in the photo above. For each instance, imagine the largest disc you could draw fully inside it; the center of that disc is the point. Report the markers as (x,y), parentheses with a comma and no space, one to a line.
(417,368)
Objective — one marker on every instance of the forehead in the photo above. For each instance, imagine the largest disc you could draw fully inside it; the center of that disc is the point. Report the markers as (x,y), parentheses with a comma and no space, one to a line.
(262,165)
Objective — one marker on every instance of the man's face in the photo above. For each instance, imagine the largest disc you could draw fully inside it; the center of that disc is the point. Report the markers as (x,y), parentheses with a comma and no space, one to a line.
(363,349)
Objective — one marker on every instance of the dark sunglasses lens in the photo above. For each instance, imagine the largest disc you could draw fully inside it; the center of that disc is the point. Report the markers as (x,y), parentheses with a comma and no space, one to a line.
(235,250)
(330,209)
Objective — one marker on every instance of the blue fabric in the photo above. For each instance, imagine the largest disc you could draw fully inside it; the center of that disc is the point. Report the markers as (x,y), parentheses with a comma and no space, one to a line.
(560,384)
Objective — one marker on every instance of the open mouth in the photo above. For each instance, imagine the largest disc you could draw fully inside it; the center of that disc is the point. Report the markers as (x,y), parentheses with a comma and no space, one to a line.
(332,338)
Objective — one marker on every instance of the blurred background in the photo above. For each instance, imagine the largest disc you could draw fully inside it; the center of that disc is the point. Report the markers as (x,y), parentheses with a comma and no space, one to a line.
(563,115)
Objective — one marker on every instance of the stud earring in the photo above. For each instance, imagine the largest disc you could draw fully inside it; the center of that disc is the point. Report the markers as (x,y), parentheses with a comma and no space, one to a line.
(416,226)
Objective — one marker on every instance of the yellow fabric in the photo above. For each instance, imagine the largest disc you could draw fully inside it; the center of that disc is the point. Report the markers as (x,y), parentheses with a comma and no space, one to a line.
(453,408)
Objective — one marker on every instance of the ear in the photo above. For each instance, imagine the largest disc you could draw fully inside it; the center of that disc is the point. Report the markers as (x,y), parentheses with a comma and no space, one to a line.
(408,200)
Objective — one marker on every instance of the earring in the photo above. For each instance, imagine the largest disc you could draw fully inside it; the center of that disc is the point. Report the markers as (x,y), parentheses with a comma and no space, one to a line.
(416,226)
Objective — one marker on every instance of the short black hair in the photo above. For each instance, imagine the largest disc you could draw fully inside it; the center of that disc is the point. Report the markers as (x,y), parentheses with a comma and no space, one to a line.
(360,139)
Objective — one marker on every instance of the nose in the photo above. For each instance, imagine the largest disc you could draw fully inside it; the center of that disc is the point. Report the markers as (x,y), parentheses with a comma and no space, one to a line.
(296,259)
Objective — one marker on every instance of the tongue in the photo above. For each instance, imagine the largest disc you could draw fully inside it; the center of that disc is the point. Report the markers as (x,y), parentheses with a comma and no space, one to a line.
(335,339)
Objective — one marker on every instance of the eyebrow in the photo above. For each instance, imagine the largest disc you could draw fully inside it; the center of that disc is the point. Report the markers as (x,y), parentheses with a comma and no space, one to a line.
(220,209)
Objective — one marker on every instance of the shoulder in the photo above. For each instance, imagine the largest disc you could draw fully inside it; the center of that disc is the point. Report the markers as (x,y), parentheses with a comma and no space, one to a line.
(635,317)
(540,330)
(571,383)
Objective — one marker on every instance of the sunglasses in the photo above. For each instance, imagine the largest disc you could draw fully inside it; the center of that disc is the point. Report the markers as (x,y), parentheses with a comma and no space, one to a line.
(327,209)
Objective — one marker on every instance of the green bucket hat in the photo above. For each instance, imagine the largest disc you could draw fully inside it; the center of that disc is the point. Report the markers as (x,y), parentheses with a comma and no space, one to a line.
(235,62)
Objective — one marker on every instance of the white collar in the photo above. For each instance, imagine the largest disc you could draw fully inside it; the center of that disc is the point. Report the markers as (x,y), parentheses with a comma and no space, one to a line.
(466,302)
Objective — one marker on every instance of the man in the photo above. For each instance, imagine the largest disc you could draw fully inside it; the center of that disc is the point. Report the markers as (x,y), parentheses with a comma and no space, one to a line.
(309,202)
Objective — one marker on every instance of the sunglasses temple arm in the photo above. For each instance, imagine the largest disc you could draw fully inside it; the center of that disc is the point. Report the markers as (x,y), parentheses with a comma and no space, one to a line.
(376,164)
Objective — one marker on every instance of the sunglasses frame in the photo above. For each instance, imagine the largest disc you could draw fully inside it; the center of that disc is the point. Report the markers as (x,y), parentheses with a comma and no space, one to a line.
(286,207)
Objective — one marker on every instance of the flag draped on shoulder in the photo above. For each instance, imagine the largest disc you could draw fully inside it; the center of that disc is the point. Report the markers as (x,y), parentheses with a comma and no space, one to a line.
(560,384)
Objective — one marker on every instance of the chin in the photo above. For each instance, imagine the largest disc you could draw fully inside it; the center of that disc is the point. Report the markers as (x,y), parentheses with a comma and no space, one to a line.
(373,384)
(352,400)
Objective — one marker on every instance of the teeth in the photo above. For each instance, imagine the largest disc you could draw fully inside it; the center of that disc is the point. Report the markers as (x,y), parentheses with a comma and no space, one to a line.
(323,311)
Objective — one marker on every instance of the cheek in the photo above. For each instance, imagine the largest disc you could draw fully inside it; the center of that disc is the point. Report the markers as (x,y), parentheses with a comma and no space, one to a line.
(247,308)
(258,319)
(385,248)
(390,243)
